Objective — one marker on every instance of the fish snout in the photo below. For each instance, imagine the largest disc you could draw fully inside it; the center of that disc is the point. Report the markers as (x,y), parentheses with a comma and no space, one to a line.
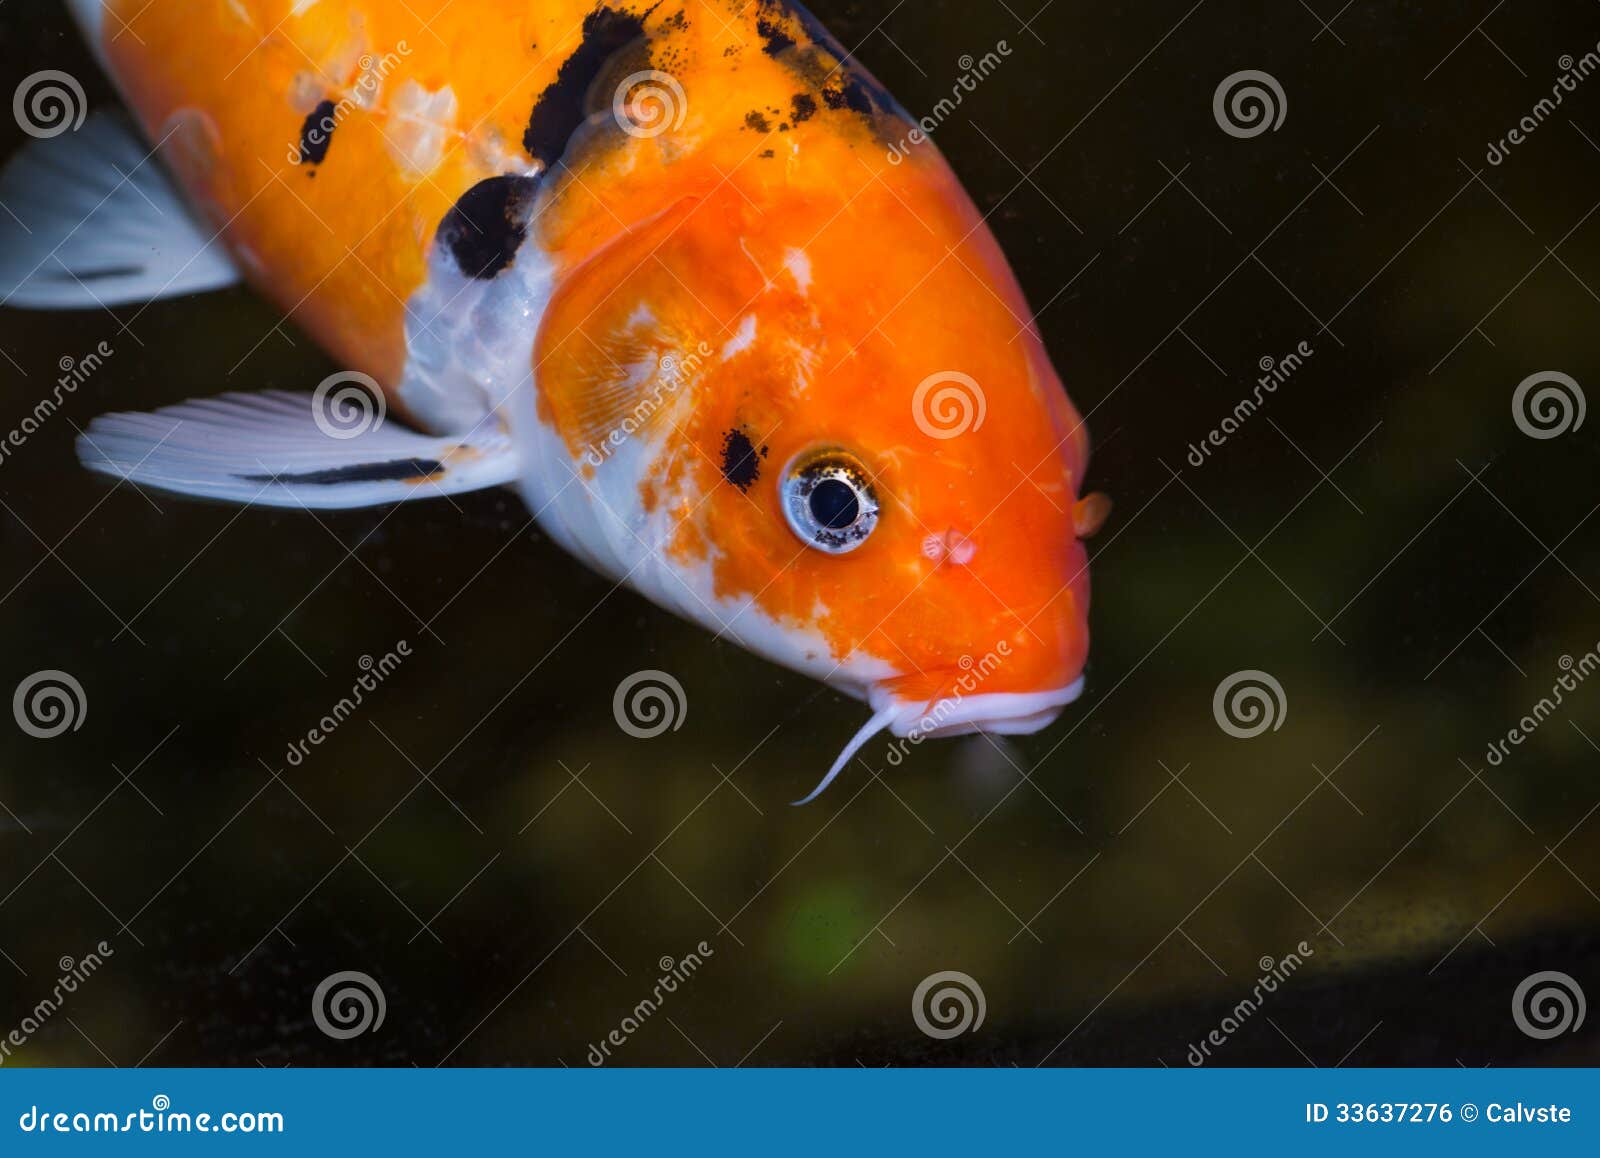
(959,713)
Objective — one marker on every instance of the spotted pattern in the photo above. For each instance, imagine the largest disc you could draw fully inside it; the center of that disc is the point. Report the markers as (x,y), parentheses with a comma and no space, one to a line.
(316,134)
(741,461)
(560,107)
(485,228)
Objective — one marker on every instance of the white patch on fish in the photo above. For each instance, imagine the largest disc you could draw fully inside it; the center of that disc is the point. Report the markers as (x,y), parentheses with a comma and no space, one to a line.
(469,341)
(799,266)
(743,338)
(420,122)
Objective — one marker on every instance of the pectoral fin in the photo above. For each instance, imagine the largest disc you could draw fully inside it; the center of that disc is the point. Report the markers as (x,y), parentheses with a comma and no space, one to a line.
(287,450)
(91,219)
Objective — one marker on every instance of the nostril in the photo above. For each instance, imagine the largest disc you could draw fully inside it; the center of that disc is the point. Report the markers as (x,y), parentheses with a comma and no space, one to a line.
(950,547)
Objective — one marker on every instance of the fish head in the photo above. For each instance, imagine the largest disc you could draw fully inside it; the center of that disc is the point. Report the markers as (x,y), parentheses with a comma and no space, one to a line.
(865,467)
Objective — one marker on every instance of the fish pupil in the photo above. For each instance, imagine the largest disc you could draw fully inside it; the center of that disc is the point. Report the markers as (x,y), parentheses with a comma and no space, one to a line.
(834,504)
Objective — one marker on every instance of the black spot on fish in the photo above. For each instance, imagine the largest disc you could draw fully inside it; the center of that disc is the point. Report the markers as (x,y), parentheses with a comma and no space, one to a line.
(484,229)
(850,95)
(824,65)
(398,470)
(741,461)
(105,273)
(316,134)
(754,120)
(768,154)
(803,107)
(559,109)
(773,36)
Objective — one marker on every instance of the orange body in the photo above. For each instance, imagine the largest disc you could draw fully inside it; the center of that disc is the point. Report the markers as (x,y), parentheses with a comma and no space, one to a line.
(768,223)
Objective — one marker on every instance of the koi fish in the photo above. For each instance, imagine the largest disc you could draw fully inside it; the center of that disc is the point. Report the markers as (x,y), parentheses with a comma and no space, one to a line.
(656,264)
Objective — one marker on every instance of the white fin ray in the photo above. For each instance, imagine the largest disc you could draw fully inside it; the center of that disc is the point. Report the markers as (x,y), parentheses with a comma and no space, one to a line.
(91,219)
(269,449)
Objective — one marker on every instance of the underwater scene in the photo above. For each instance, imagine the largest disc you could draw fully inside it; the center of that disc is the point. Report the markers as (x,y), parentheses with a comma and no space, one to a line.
(1166,523)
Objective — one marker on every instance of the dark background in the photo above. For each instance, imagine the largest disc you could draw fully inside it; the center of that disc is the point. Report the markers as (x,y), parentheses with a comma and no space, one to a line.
(512,914)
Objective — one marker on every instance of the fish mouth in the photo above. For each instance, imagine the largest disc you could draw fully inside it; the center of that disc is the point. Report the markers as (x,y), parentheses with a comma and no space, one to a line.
(1002,713)
(998,713)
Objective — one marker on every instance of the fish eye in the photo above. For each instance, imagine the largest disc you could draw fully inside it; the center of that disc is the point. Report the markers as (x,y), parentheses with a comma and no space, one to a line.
(828,501)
